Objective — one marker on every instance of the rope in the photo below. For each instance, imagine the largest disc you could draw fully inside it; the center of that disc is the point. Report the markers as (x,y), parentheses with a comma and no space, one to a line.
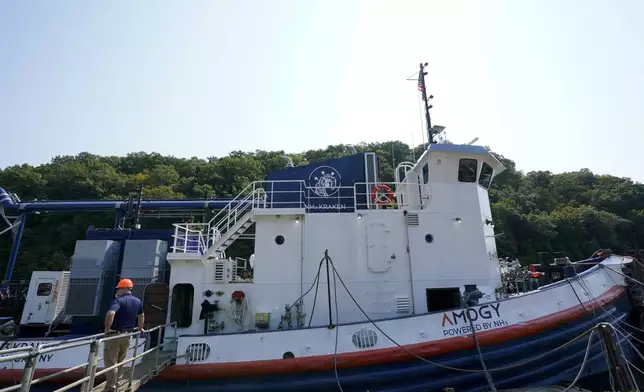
(316,280)
(616,329)
(512,366)
(583,362)
(488,376)
(315,296)
(337,330)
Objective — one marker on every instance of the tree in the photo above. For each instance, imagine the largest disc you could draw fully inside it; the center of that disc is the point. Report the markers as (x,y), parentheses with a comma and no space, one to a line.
(576,212)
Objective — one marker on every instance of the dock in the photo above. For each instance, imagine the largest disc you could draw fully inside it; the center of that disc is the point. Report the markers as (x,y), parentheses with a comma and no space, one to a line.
(148,359)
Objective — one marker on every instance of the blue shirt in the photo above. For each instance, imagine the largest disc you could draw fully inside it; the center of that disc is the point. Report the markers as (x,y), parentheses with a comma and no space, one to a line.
(127,307)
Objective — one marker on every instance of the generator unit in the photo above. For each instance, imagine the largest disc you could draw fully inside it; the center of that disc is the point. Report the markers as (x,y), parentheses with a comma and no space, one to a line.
(145,263)
(46,298)
(92,277)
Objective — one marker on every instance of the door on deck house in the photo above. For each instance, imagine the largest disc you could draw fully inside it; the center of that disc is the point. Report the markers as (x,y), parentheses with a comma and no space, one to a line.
(155,304)
(378,250)
(41,301)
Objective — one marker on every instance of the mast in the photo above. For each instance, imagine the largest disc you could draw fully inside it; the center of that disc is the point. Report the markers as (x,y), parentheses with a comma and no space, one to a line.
(427,105)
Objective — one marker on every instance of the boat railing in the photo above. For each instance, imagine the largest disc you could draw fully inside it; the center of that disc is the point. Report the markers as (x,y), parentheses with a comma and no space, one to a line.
(199,238)
(297,194)
(191,237)
(151,360)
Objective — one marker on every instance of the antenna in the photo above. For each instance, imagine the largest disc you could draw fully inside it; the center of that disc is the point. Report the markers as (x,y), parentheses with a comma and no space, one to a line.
(473,141)
(423,90)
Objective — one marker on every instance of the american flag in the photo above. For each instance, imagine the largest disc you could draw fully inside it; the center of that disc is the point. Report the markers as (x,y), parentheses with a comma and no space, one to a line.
(420,81)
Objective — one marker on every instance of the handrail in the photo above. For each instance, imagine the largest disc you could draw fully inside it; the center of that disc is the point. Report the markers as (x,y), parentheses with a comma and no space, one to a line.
(94,341)
(210,237)
(234,200)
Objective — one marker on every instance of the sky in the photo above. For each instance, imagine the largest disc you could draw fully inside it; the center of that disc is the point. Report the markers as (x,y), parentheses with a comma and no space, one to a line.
(552,84)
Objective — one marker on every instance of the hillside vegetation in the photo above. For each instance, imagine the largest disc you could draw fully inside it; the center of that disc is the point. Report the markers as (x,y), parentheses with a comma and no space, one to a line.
(576,212)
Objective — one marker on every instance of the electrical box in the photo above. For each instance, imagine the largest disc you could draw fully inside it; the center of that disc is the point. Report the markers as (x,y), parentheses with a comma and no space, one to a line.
(46,297)
(262,320)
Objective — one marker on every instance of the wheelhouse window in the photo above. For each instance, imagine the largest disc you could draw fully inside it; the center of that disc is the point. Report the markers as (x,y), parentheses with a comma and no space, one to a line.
(182,302)
(467,170)
(485,178)
(425,174)
(44,290)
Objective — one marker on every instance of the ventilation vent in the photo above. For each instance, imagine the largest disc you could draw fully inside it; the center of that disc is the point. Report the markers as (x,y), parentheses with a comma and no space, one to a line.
(220,269)
(61,293)
(365,338)
(197,352)
(234,268)
(412,220)
(403,305)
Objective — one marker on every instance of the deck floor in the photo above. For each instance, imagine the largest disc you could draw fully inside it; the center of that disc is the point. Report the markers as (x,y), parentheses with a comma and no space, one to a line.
(143,372)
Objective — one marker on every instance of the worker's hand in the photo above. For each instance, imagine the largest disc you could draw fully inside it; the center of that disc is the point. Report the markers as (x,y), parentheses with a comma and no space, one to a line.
(141,329)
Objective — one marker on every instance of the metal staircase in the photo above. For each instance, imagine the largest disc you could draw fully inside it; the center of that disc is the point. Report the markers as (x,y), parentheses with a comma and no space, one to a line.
(233,221)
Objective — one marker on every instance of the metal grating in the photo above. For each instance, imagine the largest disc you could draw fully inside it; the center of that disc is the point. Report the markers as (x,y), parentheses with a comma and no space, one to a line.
(403,305)
(197,352)
(63,289)
(412,220)
(219,271)
(365,338)
(82,299)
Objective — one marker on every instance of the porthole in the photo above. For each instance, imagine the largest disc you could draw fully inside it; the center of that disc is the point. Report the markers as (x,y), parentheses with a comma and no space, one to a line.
(279,240)
(429,238)
(288,355)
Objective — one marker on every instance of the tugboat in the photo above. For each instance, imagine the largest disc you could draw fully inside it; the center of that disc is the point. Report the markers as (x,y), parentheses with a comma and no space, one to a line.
(355,284)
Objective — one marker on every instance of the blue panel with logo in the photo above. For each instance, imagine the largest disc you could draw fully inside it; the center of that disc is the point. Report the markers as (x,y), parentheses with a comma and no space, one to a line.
(327,186)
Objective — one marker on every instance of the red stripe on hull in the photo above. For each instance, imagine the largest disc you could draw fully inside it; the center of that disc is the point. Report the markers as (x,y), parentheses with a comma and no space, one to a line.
(354,359)
(387,355)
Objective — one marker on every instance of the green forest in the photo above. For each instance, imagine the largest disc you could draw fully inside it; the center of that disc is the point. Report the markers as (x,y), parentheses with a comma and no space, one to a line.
(577,212)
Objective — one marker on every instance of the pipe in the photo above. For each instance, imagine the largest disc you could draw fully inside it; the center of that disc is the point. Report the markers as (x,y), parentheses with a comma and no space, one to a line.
(5,199)
(15,246)
(98,205)
(137,224)
(117,220)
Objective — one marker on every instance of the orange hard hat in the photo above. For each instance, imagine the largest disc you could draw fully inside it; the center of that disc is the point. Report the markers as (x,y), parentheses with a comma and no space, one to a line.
(125,284)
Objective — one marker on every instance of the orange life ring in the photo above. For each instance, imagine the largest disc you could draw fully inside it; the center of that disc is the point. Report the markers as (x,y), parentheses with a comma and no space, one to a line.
(382,195)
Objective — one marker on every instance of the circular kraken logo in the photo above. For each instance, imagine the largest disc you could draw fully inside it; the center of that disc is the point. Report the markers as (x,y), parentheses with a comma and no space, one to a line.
(325,181)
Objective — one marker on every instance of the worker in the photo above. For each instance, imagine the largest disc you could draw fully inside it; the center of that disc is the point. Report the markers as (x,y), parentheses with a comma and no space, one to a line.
(125,313)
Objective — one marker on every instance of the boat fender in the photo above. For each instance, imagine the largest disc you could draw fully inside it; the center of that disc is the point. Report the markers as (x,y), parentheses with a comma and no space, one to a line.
(382,195)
